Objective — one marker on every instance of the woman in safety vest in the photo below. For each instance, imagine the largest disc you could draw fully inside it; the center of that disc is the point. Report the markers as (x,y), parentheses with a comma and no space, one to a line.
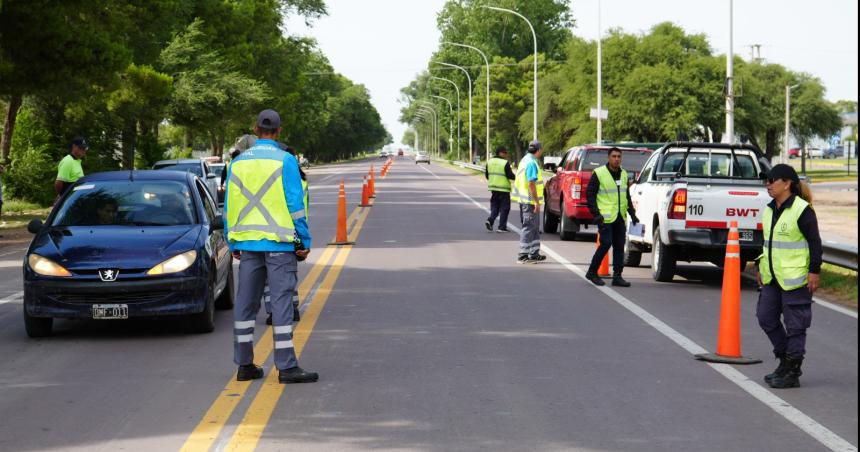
(788,272)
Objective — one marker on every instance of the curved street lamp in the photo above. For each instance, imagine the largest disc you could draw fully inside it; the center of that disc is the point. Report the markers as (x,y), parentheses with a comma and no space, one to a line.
(432,107)
(487,64)
(469,78)
(456,88)
(450,117)
(534,38)
(435,125)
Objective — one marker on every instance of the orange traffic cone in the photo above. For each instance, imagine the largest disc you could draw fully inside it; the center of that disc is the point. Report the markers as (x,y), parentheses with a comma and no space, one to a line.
(340,236)
(729,333)
(603,270)
(372,183)
(365,194)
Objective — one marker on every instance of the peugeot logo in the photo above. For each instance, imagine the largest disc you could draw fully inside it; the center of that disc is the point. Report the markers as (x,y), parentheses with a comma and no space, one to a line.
(108,274)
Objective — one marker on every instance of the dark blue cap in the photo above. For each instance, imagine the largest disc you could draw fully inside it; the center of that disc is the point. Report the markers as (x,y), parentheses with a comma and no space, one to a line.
(81,142)
(269,119)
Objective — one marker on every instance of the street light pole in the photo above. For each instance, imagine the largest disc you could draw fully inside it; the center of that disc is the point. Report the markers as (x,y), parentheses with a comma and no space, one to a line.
(469,78)
(534,39)
(599,79)
(432,111)
(730,93)
(456,88)
(487,64)
(450,117)
(788,89)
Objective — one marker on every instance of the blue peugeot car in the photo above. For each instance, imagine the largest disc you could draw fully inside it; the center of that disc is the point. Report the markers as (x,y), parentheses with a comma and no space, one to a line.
(127,244)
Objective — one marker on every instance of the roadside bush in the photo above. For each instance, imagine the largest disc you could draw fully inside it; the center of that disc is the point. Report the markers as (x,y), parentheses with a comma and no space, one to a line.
(30,176)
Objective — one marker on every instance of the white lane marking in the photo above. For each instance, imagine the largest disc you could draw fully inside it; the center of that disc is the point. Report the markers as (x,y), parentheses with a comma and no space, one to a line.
(821,433)
(12,298)
(13,252)
(835,307)
(431,172)
(11,263)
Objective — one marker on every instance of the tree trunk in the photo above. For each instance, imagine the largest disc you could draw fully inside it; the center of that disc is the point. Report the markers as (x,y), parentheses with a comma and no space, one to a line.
(129,139)
(189,138)
(9,126)
(770,142)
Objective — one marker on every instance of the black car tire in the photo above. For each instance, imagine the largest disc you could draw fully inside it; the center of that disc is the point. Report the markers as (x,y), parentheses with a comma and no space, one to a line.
(569,226)
(632,254)
(225,300)
(204,322)
(550,220)
(663,262)
(38,326)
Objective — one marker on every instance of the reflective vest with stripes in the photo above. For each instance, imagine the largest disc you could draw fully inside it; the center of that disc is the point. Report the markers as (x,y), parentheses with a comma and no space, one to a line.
(611,198)
(257,204)
(787,249)
(520,192)
(498,180)
(305,191)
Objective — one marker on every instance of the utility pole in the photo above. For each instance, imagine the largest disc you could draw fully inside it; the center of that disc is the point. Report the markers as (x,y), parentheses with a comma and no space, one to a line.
(730,95)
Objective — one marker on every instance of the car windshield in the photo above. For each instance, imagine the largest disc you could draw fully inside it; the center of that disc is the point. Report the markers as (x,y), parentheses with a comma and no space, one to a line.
(127,203)
(186,167)
(630,160)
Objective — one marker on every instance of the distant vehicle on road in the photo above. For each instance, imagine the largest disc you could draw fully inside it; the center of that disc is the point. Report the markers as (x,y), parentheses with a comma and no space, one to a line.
(566,206)
(129,244)
(815,153)
(198,167)
(303,162)
(421,156)
(383,154)
(686,196)
(400,152)
(794,153)
(834,152)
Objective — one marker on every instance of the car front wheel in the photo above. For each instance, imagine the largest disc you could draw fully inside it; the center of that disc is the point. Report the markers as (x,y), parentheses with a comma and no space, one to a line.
(663,262)
(204,322)
(38,326)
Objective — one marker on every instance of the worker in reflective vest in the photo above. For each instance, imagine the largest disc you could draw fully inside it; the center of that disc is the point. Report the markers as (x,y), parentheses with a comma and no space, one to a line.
(265,212)
(528,191)
(608,198)
(788,273)
(499,176)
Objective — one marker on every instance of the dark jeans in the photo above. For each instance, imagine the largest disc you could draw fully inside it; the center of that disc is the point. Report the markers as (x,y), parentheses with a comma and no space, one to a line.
(500,206)
(611,236)
(795,306)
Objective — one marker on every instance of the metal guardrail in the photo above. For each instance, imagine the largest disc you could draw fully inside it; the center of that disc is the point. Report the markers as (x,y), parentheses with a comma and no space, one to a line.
(469,165)
(840,254)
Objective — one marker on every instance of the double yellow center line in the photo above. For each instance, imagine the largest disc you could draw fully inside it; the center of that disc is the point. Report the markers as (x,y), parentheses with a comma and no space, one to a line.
(249,430)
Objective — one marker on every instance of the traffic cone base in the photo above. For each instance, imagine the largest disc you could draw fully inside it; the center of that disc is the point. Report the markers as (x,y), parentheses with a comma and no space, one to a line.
(729,332)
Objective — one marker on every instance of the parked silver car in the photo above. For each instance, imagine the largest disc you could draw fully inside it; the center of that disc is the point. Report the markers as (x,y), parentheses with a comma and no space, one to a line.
(422,157)
(198,167)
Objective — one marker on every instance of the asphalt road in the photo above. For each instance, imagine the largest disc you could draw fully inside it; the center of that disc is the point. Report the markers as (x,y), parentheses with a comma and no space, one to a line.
(428,336)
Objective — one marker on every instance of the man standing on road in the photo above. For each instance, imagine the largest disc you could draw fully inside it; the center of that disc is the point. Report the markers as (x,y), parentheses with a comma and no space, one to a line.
(499,176)
(609,202)
(69,170)
(528,191)
(264,210)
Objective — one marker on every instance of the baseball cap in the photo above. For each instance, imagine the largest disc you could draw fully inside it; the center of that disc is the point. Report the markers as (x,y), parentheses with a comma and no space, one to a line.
(81,142)
(270,119)
(535,145)
(783,171)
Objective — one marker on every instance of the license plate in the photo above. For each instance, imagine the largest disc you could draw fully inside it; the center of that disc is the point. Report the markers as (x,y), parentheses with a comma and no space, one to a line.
(110,311)
(746,236)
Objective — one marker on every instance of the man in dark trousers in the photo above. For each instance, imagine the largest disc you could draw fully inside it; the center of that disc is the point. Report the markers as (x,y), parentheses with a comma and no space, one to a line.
(608,197)
(499,176)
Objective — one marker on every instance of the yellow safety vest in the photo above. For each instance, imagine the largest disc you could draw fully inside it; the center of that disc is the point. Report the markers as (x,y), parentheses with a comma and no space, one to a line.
(305,190)
(520,191)
(498,180)
(787,248)
(612,197)
(257,206)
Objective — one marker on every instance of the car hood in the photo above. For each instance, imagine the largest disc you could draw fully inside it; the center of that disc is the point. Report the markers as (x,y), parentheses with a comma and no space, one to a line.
(94,247)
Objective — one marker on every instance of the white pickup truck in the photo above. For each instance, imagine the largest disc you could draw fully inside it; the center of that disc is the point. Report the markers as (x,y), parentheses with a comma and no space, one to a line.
(686,196)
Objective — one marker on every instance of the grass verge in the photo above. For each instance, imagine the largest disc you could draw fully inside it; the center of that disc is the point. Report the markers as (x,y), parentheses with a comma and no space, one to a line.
(838,284)
(17,213)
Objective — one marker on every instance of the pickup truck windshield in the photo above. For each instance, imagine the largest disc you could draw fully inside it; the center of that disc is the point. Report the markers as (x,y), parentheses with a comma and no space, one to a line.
(630,160)
(710,163)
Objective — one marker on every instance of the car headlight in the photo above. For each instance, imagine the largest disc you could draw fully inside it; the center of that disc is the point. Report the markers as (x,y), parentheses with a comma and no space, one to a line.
(46,267)
(174,264)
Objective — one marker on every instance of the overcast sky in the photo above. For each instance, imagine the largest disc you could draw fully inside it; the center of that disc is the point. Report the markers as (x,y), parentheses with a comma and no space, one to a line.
(383,44)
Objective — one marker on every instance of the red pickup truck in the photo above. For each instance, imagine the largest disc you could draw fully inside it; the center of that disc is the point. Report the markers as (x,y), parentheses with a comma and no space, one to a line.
(566,209)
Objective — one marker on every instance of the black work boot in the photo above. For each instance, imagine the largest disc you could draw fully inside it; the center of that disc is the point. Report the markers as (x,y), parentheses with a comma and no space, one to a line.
(596,280)
(790,377)
(297,375)
(779,369)
(617,280)
(249,372)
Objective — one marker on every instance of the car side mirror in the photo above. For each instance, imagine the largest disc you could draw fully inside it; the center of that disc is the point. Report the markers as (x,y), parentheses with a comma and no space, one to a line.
(34,226)
(217,223)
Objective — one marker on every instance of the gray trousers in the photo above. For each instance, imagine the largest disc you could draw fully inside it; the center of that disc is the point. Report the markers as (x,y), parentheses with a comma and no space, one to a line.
(255,268)
(530,232)
(267,299)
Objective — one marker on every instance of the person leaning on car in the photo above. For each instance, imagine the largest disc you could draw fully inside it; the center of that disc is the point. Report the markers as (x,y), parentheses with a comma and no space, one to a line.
(264,211)
(69,170)
(608,196)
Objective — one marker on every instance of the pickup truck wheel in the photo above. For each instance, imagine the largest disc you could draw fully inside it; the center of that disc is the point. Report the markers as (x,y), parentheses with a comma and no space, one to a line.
(663,262)
(569,226)
(550,220)
(632,254)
